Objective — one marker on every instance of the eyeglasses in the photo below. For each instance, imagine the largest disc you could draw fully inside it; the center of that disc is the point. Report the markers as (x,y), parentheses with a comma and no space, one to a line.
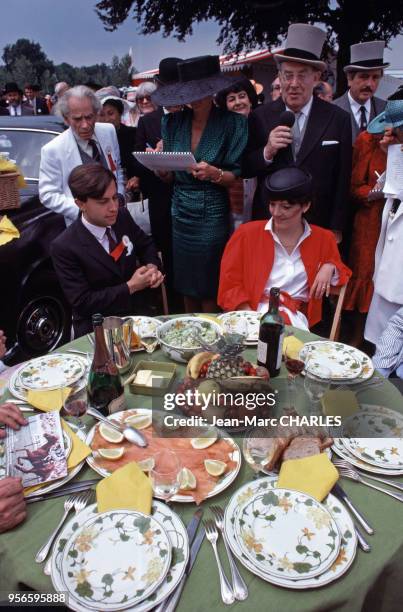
(143,98)
(290,76)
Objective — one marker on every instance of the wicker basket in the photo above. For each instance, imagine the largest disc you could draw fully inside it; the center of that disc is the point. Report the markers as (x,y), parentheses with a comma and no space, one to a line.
(9,192)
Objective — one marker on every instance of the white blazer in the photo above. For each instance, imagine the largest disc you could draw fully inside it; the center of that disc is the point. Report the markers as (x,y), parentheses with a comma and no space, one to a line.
(60,156)
(388,273)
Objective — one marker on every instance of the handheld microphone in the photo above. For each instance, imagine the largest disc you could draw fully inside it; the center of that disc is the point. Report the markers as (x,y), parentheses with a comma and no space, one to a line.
(286,118)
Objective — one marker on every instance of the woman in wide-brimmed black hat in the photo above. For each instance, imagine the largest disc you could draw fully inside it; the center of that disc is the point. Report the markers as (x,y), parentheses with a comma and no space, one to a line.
(200,211)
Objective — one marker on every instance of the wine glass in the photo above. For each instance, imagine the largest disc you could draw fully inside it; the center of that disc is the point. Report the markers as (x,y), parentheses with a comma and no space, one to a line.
(165,474)
(316,387)
(294,368)
(256,446)
(74,406)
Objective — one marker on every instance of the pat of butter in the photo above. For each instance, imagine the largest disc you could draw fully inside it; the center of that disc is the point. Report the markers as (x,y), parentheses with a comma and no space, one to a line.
(143,377)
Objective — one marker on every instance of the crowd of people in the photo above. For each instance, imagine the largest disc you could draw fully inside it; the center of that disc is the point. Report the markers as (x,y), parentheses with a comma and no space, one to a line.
(287,193)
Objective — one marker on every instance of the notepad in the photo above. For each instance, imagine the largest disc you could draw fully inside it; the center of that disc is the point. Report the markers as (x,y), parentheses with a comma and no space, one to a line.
(166,161)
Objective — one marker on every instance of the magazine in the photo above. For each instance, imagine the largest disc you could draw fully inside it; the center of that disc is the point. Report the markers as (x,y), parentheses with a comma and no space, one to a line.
(36,451)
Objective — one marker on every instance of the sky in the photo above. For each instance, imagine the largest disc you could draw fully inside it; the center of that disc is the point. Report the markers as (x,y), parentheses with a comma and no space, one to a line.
(70,31)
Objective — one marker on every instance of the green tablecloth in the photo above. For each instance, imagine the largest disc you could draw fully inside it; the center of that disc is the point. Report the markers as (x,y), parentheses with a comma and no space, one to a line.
(374,581)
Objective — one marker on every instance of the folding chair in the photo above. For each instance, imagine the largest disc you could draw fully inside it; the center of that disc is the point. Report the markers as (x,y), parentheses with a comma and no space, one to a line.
(335,329)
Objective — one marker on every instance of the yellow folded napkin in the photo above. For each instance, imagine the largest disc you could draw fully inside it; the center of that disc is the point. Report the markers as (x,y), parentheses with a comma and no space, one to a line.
(313,475)
(48,400)
(79,451)
(128,487)
(8,231)
(292,345)
(339,403)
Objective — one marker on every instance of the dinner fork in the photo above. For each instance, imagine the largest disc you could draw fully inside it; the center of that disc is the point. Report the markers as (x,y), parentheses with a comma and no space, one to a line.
(79,505)
(239,587)
(352,475)
(345,464)
(68,505)
(227,594)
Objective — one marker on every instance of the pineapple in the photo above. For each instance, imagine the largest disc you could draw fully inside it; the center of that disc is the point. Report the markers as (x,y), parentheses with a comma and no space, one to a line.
(229,363)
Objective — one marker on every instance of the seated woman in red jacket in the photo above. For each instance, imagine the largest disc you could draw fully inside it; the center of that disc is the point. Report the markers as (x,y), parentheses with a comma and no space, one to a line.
(286,252)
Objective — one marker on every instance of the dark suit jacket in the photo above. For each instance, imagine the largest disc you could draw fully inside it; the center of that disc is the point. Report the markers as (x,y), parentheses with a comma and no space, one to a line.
(127,144)
(377,106)
(329,164)
(26,110)
(91,279)
(149,129)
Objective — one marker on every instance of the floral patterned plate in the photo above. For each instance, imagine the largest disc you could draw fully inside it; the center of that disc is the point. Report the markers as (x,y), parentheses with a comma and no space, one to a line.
(375,437)
(180,554)
(340,450)
(18,391)
(287,534)
(343,361)
(51,371)
(234,322)
(344,522)
(115,559)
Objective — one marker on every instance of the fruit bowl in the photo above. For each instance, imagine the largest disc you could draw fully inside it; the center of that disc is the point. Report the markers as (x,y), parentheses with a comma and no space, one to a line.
(177,336)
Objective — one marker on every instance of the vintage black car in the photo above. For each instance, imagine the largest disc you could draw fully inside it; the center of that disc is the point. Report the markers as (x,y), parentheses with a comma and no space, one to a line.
(34,313)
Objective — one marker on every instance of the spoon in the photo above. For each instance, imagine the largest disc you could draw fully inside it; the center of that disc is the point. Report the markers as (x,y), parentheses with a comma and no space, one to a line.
(130,433)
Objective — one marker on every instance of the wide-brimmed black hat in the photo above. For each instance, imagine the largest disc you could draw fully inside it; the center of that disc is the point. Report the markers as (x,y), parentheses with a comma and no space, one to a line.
(199,77)
(10,87)
(366,56)
(289,183)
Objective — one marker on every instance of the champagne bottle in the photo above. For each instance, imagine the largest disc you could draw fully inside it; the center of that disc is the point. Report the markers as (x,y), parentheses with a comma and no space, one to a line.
(271,335)
(104,390)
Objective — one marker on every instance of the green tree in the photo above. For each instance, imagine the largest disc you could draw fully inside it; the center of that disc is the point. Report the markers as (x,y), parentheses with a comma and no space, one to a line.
(120,71)
(247,23)
(23,71)
(33,53)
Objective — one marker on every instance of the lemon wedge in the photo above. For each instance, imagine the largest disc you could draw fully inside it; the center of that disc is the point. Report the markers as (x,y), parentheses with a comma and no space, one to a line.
(215,467)
(146,465)
(139,421)
(203,442)
(187,480)
(109,434)
(111,453)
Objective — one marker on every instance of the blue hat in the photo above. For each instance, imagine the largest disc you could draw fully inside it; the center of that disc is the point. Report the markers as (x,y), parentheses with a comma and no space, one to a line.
(392,116)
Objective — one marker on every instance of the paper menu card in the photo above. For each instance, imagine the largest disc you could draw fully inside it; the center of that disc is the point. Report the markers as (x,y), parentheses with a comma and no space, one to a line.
(166,161)
(394,171)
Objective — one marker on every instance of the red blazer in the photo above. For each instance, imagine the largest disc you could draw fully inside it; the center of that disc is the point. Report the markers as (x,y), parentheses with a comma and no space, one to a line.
(248,259)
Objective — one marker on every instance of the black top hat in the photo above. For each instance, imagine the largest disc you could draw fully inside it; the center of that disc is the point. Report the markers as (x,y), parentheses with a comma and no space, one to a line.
(199,77)
(289,183)
(168,71)
(10,87)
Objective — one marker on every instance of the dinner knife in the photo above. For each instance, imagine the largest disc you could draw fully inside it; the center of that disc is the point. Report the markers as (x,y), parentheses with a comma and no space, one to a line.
(71,488)
(191,530)
(362,543)
(173,599)
(342,495)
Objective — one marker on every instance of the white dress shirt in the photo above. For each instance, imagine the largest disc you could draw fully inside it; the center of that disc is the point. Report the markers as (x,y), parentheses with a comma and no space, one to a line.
(15,111)
(99,233)
(356,109)
(303,116)
(85,145)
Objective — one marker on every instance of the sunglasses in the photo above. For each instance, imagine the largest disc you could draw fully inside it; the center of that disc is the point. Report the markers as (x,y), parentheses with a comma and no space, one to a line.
(143,98)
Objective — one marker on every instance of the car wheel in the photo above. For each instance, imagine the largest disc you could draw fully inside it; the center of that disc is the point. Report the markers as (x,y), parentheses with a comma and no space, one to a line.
(45,319)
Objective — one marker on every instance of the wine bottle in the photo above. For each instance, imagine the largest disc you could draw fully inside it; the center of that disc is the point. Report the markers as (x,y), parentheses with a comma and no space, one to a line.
(104,389)
(271,335)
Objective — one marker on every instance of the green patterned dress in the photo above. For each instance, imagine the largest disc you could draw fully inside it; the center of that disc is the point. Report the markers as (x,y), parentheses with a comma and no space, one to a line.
(200,209)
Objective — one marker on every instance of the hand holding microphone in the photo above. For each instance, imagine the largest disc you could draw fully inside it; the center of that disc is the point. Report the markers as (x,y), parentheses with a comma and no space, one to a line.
(280,137)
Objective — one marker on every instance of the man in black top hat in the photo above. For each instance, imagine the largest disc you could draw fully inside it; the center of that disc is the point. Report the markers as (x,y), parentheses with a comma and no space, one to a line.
(16,107)
(319,140)
(364,73)
(159,193)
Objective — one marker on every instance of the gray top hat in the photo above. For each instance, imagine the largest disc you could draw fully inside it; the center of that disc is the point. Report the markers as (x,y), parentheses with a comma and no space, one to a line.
(304,45)
(366,56)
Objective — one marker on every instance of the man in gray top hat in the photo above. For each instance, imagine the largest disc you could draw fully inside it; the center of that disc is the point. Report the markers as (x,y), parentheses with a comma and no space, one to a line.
(319,140)
(363,75)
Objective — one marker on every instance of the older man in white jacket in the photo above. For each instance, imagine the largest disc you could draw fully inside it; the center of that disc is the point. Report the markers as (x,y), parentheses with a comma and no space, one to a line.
(83,142)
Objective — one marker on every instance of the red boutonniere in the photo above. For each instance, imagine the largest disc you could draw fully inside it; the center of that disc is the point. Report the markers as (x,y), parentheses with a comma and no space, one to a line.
(111,162)
(125,243)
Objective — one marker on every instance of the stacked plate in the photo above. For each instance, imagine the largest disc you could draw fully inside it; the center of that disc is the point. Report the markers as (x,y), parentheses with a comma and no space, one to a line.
(49,372)
(241,322)
(120,560)
(287,537)
(372,440)
(346,364)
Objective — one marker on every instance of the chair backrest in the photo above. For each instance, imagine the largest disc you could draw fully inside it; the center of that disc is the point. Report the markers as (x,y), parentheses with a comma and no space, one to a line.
(335,329)
(163,291)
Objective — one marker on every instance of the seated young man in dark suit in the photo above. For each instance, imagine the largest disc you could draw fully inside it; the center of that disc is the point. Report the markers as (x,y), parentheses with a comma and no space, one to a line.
(96,257)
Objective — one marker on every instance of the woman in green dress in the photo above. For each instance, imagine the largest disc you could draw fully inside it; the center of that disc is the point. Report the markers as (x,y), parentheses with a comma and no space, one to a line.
(200,208)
